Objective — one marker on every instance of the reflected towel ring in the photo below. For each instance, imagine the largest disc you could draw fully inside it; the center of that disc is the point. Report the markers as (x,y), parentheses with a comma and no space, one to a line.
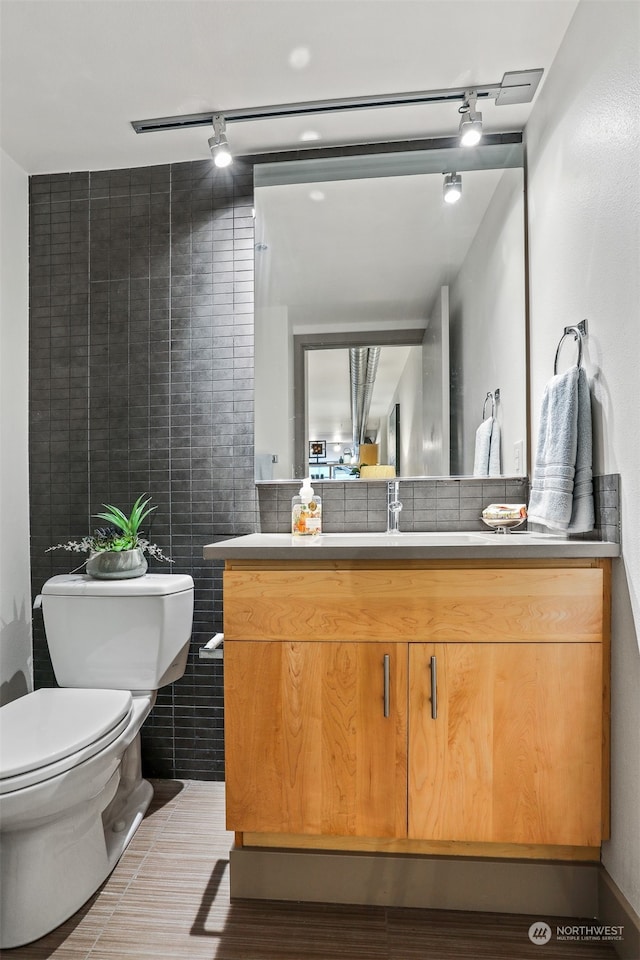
(493,397)
(578,332)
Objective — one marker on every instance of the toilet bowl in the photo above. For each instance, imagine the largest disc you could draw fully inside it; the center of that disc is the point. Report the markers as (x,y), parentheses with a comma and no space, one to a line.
(71,788)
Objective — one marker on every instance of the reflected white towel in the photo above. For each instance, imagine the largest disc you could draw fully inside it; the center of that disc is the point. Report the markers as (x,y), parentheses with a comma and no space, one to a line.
(486,462)
(562,487)
(264,466)
(495,467)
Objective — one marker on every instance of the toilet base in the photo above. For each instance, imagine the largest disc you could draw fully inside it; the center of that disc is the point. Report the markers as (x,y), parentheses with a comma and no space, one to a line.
(53,866)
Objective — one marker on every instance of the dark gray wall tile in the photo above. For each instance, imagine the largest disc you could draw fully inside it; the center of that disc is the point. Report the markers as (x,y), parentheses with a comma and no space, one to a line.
(133,382)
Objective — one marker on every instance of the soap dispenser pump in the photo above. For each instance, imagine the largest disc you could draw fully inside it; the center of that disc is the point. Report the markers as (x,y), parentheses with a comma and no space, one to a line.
(306,511)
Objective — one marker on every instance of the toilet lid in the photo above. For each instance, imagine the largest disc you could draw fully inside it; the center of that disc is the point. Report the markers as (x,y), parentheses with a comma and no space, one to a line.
(151,585)
(47,726)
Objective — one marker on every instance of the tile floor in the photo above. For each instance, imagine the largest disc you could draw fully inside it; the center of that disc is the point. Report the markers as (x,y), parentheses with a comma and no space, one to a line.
(169,898)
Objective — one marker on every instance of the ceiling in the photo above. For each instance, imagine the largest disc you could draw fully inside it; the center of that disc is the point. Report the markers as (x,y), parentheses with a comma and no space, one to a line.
(75,73)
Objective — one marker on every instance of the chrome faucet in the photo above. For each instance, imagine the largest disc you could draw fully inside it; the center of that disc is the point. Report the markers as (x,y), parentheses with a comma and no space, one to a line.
(394,506)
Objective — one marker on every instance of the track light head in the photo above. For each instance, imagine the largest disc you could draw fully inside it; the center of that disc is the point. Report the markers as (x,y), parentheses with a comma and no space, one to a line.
(470,121)
(470,130)
(452,187)
(218,143)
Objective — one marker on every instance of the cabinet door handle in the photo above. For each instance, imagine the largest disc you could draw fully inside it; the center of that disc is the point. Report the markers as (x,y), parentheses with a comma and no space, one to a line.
(434,689)
(385,672)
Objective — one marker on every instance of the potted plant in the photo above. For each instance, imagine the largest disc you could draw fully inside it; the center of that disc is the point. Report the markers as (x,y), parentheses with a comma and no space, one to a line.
(117,552)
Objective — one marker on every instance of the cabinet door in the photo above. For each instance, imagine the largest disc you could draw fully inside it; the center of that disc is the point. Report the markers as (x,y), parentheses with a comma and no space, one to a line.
(308,746)
(514,754)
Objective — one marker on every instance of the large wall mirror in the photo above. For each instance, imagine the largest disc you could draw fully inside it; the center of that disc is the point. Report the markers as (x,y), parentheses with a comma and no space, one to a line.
(386,320)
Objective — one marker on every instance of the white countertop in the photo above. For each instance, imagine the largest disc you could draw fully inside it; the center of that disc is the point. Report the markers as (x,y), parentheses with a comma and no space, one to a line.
(455,545)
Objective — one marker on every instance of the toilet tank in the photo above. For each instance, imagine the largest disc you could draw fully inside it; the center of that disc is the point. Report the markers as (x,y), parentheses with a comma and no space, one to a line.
(119,634)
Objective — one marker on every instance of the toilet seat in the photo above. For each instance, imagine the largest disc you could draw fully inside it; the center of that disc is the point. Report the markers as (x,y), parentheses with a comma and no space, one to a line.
(50,731)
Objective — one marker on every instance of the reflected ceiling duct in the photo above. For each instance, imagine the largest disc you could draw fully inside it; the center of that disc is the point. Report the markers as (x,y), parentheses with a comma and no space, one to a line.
(357,368)
(363,366)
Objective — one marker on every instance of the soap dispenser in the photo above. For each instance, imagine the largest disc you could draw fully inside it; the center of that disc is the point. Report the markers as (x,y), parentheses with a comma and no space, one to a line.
(306,512)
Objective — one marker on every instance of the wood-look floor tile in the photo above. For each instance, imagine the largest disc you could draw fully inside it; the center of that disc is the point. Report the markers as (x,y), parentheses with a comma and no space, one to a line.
(291,931)
(168,899)
(186,846)
(41,950)
(171,869)
(450,934)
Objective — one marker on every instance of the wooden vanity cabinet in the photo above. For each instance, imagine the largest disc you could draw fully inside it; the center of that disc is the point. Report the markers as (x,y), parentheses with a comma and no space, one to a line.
(493,729)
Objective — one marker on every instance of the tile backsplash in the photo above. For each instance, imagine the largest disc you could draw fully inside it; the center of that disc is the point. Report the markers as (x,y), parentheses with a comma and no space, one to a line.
(427,504)
(361,505)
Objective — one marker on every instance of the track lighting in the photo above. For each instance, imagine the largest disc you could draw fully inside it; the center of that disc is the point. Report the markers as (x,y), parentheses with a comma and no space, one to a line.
(470,121)
(452,187)
(218,143)
(517,86)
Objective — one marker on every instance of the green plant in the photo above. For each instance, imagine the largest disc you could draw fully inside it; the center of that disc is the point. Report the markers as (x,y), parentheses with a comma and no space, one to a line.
(123,534)
(129,527)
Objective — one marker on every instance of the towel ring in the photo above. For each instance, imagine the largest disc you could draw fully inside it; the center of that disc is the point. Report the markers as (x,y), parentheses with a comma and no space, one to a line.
(578,332)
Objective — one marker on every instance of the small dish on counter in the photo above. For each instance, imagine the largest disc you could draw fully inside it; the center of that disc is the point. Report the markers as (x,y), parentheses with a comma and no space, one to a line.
(504,517)
(504,525)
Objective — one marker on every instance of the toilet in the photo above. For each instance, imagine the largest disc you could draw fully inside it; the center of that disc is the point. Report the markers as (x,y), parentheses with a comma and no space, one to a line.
(71,788)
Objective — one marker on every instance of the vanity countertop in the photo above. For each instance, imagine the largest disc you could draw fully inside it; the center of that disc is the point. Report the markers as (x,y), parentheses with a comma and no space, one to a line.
(454,545)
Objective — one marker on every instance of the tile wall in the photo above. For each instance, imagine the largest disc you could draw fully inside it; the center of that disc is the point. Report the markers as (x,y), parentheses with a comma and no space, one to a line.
(142,382)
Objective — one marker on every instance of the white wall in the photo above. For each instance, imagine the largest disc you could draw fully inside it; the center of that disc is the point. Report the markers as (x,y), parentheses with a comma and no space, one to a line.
(487,314)
(409,395)
(15,590)
(436,391)
(583,149)
(274,387)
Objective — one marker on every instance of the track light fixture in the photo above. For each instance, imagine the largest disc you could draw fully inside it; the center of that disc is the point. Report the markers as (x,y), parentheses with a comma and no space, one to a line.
(218,143)
(470,121)
(518,86)
(452,187)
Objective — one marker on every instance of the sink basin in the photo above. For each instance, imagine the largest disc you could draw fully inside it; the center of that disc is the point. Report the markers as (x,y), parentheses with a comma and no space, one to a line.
(444,538)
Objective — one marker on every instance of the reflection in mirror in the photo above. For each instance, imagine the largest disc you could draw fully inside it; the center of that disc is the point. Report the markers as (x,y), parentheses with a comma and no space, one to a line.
(362,252)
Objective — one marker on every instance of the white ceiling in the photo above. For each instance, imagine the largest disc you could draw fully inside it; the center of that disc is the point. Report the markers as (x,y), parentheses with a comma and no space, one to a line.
(74,73)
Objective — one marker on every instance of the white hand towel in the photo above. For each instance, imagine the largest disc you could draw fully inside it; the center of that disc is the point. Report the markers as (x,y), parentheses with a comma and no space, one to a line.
(582,510)
(557,501)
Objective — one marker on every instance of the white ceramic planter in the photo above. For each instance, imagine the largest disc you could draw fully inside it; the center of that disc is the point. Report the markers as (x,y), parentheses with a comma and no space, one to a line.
(117,565)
